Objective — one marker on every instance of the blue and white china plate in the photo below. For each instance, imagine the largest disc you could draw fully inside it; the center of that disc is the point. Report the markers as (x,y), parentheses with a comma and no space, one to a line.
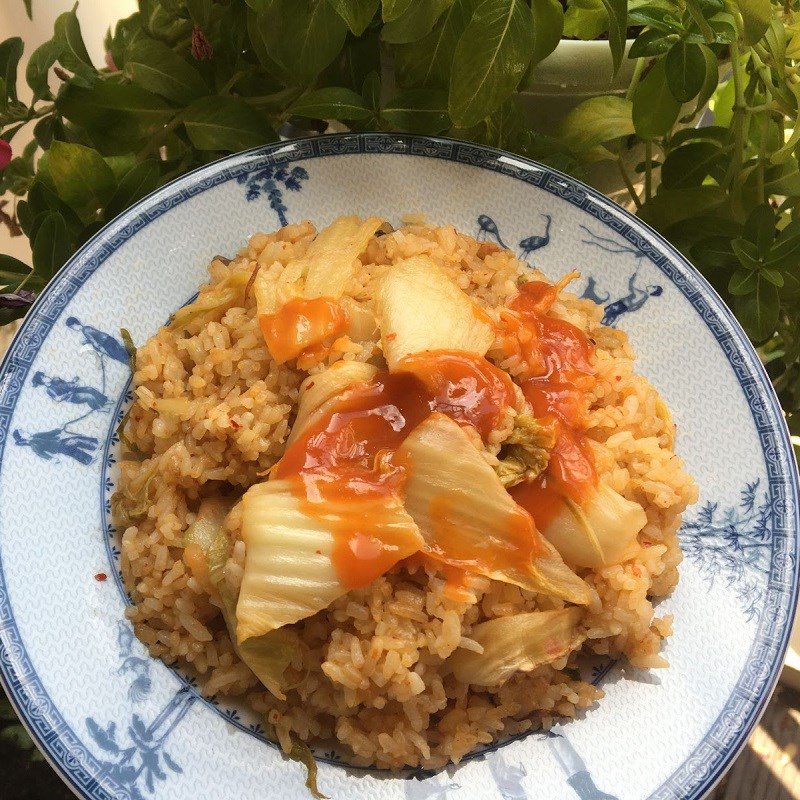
(116,724)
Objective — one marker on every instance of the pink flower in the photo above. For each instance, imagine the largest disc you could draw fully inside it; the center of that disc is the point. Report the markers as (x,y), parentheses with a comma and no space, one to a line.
(5,154)
(110,62)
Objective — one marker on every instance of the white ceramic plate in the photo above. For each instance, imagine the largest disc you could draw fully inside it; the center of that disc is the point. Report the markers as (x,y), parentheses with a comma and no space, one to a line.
(116,724)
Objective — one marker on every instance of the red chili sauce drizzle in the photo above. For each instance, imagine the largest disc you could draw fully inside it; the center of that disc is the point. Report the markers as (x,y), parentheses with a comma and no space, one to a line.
(301,325)
(559,358)
(349,455)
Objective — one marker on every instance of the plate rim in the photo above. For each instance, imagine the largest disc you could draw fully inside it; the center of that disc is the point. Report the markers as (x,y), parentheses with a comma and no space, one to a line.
(482,157)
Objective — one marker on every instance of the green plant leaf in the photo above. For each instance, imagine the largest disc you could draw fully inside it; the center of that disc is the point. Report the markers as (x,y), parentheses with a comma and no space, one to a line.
(42,198)
(783,179)
(51,246)
(226,124)
(258,28)
(656,16)
(714,252)
(18,176)
(690,164)
(10,54)
(332,102)
(617,11)
(651,43)
(756,16)
(392,9)
(747,253)
(41,61)
(9,133)
(12,271)
(709,133)
(548,28)
(118,114)
(758,311)
(772,275)
(126,32)
(429,61)
(82,178)
(586,20)
(490,59)
(760,229)
(791,283)
(655,110)
(138,182)
(685,70)
(310,35)
(199,12)
(121,165)
(418,111)
(743,281)
(671,206)
(358,58)
(165,21)
(709,82)
(371,91)
(74,56)
(356,13)
(152,65)
(595,122)
(416,22)
(785,250)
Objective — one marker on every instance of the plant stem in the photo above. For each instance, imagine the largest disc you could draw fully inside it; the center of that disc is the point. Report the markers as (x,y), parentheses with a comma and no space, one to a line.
(628,183)
(235,78)
(702,23)
(739,106)
(648,169)
(41,112)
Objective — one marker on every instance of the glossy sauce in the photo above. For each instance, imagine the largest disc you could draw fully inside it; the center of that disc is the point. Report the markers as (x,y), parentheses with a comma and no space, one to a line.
(468,389)
(349,455)
(301,325)
(517,548)
(559,356)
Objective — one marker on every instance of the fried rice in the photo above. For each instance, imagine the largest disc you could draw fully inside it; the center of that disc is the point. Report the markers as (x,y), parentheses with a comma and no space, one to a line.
(213,410)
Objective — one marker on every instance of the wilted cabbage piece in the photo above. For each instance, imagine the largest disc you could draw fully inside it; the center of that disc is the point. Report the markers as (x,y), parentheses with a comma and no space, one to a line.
(213,301)
(267,656)
(301,307)
(325,269)
(292,569)
(316,390)
(129,504)
(518,643)
(600,532)
(419,308)
(331,257)
(469,520)
(526,451)
(362,324)
(272,293)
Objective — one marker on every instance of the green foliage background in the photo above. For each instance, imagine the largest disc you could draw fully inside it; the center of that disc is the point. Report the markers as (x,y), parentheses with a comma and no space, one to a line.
(187,81)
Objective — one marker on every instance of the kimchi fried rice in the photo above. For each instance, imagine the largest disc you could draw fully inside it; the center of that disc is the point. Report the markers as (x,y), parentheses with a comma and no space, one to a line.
(396,671)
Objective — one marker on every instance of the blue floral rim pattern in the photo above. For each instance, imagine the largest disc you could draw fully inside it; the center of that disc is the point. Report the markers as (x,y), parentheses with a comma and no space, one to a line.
(64,748)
